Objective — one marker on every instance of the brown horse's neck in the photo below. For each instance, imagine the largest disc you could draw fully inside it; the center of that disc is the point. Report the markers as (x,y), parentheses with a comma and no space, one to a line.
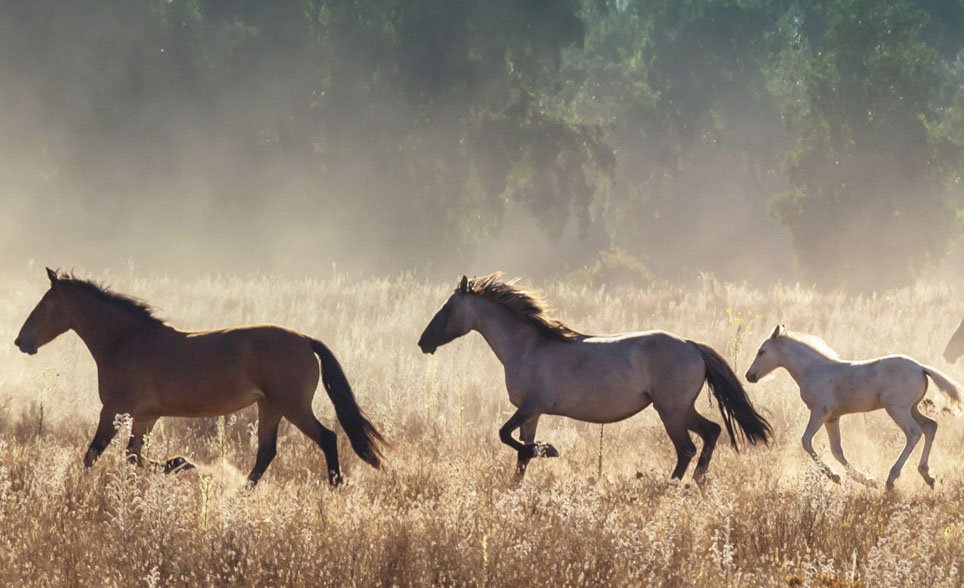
(102,326)
(508,335)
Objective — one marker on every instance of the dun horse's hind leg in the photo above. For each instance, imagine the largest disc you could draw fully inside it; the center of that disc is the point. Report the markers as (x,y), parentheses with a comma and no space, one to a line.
(325,438)
(102,438)
(817,419)
(833,433)
(709,432)
(912,431)
(268,420)
(929,426)
(678,434)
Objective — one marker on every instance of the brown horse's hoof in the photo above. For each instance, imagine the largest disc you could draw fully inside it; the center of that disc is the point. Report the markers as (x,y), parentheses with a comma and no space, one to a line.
(176,465)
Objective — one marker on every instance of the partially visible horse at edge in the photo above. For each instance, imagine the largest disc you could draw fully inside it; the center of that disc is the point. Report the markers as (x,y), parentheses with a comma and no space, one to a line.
(955,347)
(148,369)
(552,369)
(832,387)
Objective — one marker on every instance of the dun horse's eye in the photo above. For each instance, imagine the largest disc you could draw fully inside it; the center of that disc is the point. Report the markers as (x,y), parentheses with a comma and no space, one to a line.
(760,352)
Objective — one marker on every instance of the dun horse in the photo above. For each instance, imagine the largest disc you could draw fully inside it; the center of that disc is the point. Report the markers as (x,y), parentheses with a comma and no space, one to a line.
(831,388)
(149,369)
(551,369)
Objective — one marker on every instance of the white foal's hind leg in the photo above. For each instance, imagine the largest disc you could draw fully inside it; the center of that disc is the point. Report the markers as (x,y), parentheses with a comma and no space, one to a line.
(929,426)
(817,418)
(833,433)
(912,431)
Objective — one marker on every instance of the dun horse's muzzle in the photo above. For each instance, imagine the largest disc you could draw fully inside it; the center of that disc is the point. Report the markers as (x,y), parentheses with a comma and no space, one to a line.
(752,378)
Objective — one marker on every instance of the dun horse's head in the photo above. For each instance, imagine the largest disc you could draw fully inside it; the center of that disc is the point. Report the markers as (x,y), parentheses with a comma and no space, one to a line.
(453,320)
(47,321)
(955,347)
(767,358)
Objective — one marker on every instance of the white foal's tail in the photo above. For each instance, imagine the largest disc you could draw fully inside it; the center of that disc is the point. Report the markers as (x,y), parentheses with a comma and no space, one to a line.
(945,384)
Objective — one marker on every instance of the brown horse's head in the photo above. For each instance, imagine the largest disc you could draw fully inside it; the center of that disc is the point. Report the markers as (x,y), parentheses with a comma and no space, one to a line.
(955,347)
(453,320)
(47,321)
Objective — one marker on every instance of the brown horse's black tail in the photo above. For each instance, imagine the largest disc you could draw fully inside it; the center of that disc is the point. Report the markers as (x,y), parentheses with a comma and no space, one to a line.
(365,439)
(733,401)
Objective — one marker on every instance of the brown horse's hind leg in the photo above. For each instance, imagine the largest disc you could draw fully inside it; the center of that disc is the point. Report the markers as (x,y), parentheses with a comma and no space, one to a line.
(709,432)
(527,432)
(102,438)
(268,420)
(325,438)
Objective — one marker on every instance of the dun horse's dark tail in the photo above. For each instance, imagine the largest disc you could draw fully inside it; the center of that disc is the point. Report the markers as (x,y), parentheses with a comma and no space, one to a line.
(733,401)
(365,439)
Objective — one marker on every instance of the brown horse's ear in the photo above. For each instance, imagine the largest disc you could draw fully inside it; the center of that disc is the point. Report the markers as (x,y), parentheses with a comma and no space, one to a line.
(779,331)
(464,285)
(52,275)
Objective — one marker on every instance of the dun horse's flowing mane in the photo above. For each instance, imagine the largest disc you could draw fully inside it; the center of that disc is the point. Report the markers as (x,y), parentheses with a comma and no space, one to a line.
(815,343)
(134,306)
(525,303)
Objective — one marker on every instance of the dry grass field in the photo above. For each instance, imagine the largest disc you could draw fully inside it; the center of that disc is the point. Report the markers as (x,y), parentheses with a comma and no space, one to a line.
(444,511)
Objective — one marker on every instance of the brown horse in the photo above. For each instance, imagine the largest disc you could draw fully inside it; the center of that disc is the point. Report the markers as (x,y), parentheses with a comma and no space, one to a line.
(148,369)
(552,369)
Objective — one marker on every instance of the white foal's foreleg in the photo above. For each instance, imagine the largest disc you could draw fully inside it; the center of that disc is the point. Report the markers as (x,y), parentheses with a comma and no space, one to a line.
(905,420)
(817,418)
(833,433)
(929,426)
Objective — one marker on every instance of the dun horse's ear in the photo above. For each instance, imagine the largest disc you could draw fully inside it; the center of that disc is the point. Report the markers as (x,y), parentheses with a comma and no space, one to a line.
(464,285)
(52,275)
(779,331)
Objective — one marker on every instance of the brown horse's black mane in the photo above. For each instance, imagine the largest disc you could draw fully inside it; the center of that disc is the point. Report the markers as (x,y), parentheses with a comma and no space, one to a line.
(525,303)
(133,306)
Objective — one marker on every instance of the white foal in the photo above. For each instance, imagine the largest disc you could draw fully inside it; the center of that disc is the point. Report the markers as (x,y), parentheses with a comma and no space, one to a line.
(832,387)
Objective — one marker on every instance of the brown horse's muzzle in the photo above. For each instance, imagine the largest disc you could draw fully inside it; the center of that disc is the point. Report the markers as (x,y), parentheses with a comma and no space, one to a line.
(426,347)
(26,345)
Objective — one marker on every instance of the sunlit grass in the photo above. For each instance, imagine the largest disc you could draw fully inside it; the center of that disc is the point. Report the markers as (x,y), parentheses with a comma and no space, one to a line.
(445,511)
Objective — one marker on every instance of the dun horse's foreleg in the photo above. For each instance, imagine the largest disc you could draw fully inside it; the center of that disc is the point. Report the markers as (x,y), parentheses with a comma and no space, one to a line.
(836,448)
(929,426)
(912,431)
(529,449)
(102,438)
(527,432)
(709,432)
(268,421)
(817,419)
(675,425)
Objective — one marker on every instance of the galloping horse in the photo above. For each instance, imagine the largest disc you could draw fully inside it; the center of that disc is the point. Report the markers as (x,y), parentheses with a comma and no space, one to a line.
(955,347)
(832,387)
(149,369)
(551,369)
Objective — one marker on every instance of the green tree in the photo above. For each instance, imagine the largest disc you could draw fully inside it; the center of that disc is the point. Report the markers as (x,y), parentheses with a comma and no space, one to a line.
(862,86)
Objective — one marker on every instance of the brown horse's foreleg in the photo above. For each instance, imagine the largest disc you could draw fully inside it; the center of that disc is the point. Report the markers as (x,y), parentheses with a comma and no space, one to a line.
(139,428)
(268,421)
(709,432)
(324,437)
(102,438)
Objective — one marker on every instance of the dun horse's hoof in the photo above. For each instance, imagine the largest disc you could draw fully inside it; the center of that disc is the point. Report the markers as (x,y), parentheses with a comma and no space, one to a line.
(334,479)
(176,465)
(835,478)
(545,450)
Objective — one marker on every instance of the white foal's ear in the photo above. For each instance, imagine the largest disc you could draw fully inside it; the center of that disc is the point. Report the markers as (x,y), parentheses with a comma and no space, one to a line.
(779,331)
(464,285)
